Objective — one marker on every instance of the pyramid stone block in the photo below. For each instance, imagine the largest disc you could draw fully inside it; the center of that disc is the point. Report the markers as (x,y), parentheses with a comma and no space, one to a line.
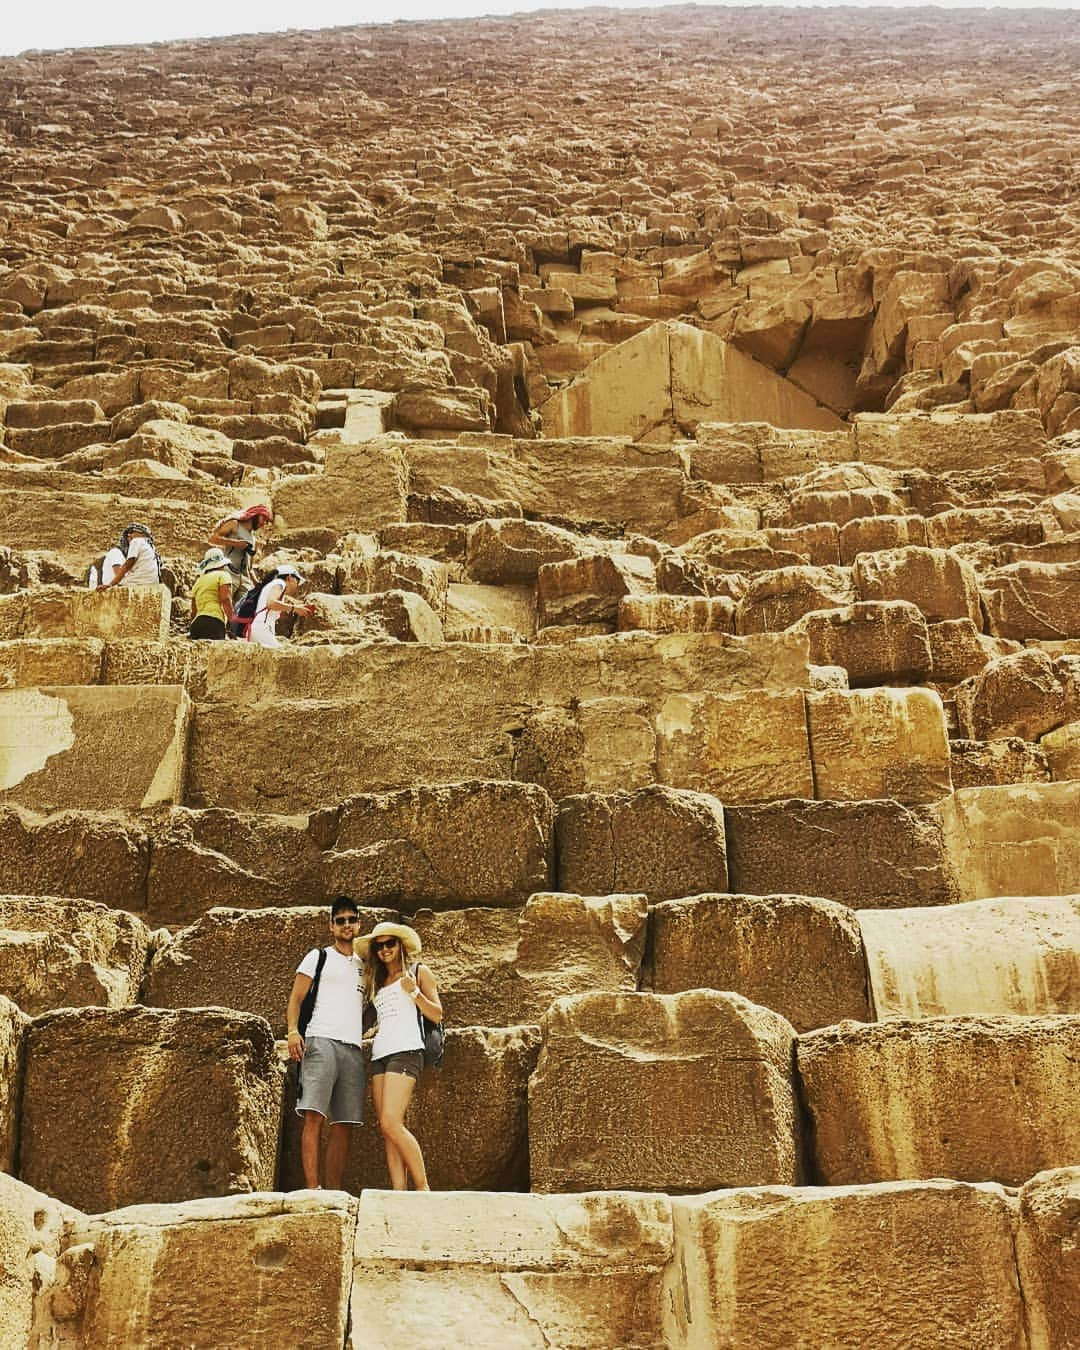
(1047,1256)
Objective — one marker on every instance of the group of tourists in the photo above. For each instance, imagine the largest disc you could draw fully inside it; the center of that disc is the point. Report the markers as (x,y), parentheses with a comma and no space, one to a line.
(227,599)
(340,995)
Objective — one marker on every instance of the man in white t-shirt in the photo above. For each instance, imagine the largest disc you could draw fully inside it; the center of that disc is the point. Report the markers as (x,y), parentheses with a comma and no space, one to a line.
(134,562)
(325,1038)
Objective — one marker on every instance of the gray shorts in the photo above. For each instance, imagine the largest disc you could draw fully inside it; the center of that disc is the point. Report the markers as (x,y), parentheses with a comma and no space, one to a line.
(409,1062)
(332,1081)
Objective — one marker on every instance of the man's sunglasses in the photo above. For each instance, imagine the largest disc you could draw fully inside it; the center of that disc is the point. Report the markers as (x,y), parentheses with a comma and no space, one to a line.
(380,943)
(340,919)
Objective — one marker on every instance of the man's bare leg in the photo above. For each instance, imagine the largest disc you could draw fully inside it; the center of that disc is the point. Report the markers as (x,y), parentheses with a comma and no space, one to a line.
(337,1151)
(309,1148)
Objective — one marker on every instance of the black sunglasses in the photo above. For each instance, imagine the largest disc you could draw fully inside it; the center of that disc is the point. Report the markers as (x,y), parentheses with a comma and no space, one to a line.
(345,918)
(380,943)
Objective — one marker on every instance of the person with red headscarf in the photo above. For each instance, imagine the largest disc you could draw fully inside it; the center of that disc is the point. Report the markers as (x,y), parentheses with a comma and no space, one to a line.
(235,536)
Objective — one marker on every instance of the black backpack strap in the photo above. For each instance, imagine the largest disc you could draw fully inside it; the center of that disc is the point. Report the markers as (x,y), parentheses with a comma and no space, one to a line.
(307,1007)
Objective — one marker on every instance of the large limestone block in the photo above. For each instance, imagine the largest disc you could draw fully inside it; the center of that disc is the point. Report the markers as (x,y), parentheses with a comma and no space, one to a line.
(1033,600)
(131,1105)
(362,487)
(662,1092)
(1062,750)
(863,854)
(875,743)
(465,843)
(659,840)
(61,745)
(1004,955)
(13,1024)
(677,614)
(779,598)
(470,1117)
(501,967)
(31,662)
(595,745)
(582,1272)
(747,944)
(241,958)
(1048,1258)
(975,1098)
(936,581)
(511,551)
(83,853)
(588,589)
(32,1229)
(250,1270)
(925,1264)
(62,612)
(1016,839)
(943,441)
(1019,695)
(740,747)
(877,642)
(69,953)
(398,614)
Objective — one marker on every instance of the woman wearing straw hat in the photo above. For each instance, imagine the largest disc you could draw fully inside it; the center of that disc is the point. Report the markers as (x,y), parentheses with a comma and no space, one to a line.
(400,988)
(211,598)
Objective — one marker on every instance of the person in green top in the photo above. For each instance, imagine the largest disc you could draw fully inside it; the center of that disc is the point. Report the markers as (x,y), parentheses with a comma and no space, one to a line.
(211,597)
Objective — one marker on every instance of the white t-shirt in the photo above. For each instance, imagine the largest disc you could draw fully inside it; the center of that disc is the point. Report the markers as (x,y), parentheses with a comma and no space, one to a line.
(264,626)
(145,571)
(399,1024)
(339,1005)
(113,559)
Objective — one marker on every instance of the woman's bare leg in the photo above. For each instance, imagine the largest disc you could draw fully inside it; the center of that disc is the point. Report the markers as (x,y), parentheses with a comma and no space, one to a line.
(395,1163)
(396,1094)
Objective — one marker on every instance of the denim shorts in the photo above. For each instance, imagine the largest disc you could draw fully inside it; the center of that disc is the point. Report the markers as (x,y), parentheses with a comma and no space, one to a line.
(409,1062)
(332,1081)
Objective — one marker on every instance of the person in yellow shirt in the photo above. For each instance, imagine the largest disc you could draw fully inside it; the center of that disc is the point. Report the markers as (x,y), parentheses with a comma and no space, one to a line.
(211,598)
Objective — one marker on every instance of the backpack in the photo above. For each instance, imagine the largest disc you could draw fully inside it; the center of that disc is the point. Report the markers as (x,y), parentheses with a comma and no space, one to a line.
(307,1007)
(433,1034)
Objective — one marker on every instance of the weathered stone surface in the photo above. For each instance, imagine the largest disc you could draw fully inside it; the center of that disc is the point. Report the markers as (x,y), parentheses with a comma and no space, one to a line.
(745,943)
(466,843)
(56,612)
(178,1105)
(610,1063)
(877,642)
(362,487)
(397,614)
(588,589)
(74,853)
(527,1270)
(163,1272)
(749,747)
(13,1024)
(469,1117)
(776,600)
(59,745)
(509,552)
(31,1235)
(1033,600)
(959,650)
(986,956)
(1047,1255)
(1062,750)
(32,662)
(874,743)
(677,613)
(66,953)
(1015,840)
(658,840)
(863,854)
(506,967)
(991,763)
(940,584)
(975,1098)
(1020,695)
(944,440)
(242,959)
(922,1263)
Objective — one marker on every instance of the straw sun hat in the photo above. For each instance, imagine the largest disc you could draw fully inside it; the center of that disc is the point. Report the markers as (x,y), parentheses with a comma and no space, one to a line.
(409,937)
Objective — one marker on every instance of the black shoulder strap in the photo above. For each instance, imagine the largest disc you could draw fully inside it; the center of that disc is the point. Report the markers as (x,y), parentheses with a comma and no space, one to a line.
(307,1006)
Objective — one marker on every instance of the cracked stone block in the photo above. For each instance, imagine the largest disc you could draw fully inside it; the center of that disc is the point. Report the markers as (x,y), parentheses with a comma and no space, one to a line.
(1048,1256)
(869,744)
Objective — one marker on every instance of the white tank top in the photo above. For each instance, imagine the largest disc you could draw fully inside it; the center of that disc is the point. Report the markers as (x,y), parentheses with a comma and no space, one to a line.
(399,1022)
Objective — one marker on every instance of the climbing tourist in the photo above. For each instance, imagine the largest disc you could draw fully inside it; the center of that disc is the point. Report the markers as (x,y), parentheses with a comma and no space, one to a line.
(211,598)
(324,1019)
(404,994)
(133,562)
(235,535)
(274,594)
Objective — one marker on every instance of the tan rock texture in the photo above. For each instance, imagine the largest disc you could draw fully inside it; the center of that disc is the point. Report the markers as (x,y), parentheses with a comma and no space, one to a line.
(181,1105)
(1013,840)
(610,1064)
(1046,1252)
(13,1024)
(975,1098)
(923,1263)
(32,1227)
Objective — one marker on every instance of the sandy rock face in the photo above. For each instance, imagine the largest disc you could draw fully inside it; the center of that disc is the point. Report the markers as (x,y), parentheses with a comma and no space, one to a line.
(64,953)
(609,1060)
(98,857)
(1047,1255)
(13,1024)
(31,1235)
(659,840)
(193,1096)
(162,1270)
(536,1270)
(801,957)
(976,1098)
(922,1263)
